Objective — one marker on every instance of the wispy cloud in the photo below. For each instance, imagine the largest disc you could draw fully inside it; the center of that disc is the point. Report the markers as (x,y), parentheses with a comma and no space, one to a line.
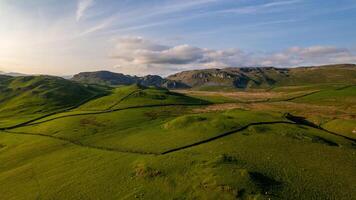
(157,15)
(260,7)
(83,6)
(151,16)
(102,25)
(43,34)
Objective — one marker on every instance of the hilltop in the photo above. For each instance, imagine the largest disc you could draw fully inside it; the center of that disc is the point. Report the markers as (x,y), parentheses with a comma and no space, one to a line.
(265,77)
(28,96)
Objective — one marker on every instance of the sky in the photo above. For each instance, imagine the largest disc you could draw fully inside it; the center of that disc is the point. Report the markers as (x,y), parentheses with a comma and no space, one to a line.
(141,37)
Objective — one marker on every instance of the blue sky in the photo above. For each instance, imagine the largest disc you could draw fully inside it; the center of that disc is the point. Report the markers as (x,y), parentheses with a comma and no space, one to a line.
(165,36)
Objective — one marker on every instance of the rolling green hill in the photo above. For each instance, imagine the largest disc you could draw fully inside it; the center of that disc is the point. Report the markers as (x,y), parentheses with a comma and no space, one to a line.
(170,152)
(25,98)
(84,141)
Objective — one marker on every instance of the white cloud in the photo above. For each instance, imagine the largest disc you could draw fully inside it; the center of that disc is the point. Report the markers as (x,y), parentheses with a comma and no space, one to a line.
(83,6)
(145,55)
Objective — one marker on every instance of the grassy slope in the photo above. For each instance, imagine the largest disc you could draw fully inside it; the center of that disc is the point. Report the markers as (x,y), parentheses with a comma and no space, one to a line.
(317,77)
(25,98)
(344,96)
(151,96)
(346,127)
(126,97)
(277,161)
(109,101)
(280,161)
(324,104)
(149,129)
(337,74)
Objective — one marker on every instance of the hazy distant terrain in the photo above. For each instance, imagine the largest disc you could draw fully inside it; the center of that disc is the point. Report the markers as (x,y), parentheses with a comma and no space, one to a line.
(234,133)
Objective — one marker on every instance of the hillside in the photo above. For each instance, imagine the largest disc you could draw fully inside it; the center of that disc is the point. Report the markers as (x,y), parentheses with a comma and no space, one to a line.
(139,142)
(230,78)
(116,79)
(148,143)
(266,77)
(23,98)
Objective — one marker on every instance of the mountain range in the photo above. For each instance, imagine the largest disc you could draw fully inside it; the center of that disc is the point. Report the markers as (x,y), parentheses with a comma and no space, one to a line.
(115,79)
(239,78)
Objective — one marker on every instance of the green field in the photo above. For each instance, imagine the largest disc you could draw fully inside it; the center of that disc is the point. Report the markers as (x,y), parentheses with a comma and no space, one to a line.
(135,142)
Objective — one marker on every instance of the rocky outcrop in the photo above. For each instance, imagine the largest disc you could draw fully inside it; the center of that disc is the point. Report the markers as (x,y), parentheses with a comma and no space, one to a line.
(266,77)
(115,79)
(240,78)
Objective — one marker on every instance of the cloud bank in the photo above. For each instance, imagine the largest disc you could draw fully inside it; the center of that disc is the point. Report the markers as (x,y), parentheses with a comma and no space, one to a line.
(140,53)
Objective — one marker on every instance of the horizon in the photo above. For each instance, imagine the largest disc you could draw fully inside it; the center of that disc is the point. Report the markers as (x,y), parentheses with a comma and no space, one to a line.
(164,76)
(163,37)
